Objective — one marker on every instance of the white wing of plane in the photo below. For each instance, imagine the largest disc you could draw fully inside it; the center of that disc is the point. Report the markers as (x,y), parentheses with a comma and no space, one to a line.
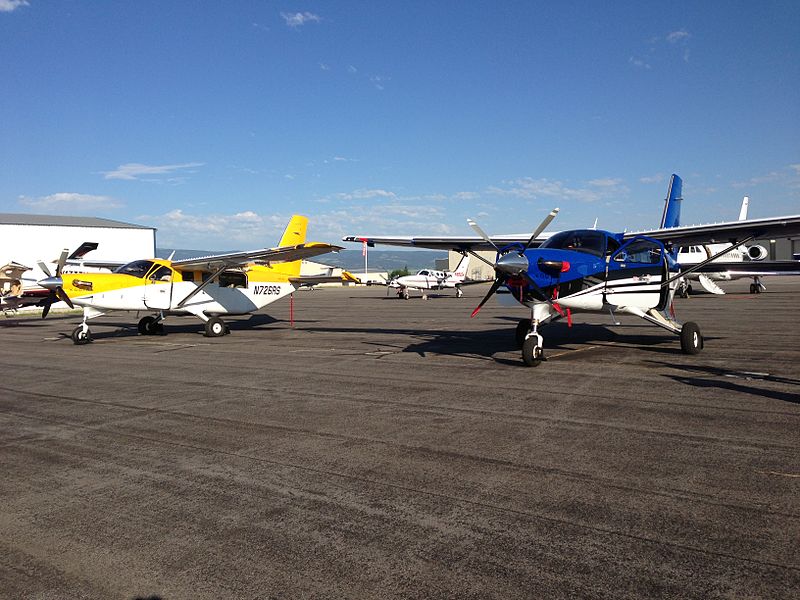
(264,255)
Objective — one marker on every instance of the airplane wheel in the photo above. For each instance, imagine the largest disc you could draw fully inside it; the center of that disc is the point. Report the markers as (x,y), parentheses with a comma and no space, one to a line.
(215,327)
(523,327)
(146,325)
(691,338)
(532,353)
(81,337)
(405,294)
(752,288)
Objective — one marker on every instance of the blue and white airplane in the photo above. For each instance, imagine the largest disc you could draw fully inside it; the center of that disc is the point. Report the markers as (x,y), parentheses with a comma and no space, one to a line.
(591,270)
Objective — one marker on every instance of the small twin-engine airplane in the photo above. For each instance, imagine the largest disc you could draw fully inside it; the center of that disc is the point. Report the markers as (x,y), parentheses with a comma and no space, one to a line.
(742,262)
(235,283)
(428,279)
(599,271)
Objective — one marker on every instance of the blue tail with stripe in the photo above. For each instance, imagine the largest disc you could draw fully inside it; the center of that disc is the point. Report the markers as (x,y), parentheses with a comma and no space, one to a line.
(672,205)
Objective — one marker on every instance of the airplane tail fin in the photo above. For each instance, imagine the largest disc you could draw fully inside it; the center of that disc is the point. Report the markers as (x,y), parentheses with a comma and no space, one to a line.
(743,211)
(460,271)
(293,235)
(672,204)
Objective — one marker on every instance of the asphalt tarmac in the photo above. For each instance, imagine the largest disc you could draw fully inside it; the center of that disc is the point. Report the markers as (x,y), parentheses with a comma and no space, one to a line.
(381,448)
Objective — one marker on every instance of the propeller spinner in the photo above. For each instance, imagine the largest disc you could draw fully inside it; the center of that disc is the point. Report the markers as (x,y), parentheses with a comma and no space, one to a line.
(512,263)
(54,284)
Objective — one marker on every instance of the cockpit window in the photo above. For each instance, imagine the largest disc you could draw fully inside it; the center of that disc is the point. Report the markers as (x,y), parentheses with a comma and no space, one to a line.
(586,240)
(137,268)
(423,272)
(162,273)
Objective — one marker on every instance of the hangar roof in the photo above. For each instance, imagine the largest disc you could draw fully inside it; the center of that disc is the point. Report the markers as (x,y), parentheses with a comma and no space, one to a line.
(55,220)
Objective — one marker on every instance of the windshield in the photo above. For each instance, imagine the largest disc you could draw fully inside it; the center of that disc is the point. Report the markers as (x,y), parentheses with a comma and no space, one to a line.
(582,240)
(137,268)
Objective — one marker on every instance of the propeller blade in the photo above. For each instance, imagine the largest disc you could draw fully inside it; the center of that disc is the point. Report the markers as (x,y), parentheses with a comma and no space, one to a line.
(547,220)
(46,305)
(44,268)
(497,283)
(62,295)
(61,261)
(476,228)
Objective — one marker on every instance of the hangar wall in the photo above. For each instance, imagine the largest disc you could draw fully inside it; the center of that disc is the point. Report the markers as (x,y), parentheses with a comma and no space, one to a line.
(28,238)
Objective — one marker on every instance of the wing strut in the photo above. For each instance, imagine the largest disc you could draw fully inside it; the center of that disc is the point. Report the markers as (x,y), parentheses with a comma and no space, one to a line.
(700,265)
(201,287)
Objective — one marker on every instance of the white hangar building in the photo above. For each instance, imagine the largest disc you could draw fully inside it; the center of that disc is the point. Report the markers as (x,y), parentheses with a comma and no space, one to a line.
(26,239)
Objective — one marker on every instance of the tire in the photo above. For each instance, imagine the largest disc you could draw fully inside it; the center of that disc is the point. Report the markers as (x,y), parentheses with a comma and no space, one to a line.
(753,288)
(215,327)
(691,338)
(79,337)
(532,353)
(146,325)
(523,327)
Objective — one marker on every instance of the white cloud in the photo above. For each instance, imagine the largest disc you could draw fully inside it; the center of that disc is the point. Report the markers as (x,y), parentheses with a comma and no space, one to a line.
(639,63)
(466,196)
(657,178)
(295,20)
(324,66)
(365,194)
(135,171)
(677,36)
(241,230)
(70,201)
(10,5)
(352,69)
(795,168)
(533,189)
(605,182)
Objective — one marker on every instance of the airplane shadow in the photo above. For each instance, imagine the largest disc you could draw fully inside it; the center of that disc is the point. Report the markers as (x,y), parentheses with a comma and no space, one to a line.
(115,328)
(486,344)
(735,381)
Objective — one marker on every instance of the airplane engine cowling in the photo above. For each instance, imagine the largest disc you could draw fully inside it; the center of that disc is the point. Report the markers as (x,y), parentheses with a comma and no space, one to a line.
(757,252)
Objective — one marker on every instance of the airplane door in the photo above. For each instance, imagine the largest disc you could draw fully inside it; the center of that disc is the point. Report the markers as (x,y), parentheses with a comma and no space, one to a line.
(158,288)
(635,272)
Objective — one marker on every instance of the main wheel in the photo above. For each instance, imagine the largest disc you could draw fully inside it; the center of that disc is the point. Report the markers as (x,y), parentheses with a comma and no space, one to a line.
(691,338)
(81,337)
(146,325)
(405,294)
(532,353)
(523,327)
(215,327)
(753,288)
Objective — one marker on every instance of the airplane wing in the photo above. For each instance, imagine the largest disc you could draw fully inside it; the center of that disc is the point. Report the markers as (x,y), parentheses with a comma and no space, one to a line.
(731,231)
(455,243)
(312,280)
(748,268)
(235,259)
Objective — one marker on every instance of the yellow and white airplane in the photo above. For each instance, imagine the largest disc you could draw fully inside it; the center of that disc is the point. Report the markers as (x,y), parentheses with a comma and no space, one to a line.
(235,283)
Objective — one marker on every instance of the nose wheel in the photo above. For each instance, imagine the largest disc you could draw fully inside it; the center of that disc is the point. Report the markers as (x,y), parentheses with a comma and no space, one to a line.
(532,343)
(81,335)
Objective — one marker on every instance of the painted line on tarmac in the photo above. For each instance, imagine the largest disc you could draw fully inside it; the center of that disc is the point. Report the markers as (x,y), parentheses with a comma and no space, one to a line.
(779,474)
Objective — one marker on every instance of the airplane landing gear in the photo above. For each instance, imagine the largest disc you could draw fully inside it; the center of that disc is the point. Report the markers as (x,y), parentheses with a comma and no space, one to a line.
(532,351)
(532,343)
(691,338)
(150,326)
(459,292)
(215,327)
(523,327)
(81,335)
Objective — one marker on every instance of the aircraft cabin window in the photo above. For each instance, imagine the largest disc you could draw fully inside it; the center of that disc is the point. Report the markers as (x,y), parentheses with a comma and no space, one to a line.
(640,251)
(162,273)
(137,268)
(232,279)
(423,272)
(585,240)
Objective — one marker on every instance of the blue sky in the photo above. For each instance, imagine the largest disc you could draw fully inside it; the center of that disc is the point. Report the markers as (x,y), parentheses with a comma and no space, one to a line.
(215,121)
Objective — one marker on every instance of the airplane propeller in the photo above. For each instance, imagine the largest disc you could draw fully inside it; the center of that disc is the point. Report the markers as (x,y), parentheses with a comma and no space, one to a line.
(54,284)
(512,264)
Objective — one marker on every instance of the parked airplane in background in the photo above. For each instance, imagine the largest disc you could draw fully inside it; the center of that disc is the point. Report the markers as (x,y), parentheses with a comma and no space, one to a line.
(742,262)
(235,283)
(18,283)
(428,279)
(599,271)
